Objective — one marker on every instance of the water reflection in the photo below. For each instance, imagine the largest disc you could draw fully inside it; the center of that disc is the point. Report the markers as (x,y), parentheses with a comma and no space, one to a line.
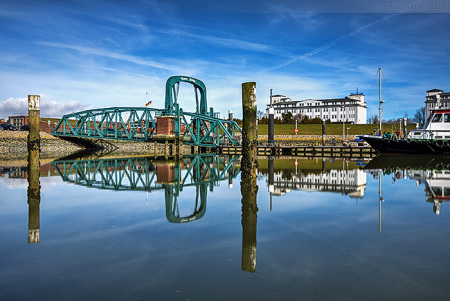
(323,229)
(148,174)
(320,174)
(34,197)
(249,191)
(431,171)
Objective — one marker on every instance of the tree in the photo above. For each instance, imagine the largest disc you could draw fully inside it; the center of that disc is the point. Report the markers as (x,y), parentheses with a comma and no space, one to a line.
(419,116)
(260,114)
(373,119)
(287,117)
(299,117)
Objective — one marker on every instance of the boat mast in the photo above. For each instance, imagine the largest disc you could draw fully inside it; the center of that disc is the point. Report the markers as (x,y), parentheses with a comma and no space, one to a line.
(379,94)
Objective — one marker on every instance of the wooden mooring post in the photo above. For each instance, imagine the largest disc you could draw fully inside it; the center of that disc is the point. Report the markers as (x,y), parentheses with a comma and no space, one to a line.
(33,191)
(249,189)
(249,162)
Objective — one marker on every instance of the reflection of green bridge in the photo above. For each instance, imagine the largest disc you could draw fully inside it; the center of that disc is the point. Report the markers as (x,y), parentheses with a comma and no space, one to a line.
(144,174)
(200,128)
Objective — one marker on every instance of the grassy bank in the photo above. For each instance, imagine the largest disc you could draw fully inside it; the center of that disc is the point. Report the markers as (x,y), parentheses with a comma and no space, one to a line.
(331,129)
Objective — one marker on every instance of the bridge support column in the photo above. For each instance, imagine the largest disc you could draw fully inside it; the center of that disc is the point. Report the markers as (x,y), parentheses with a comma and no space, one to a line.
(155,149)
(166,149)
(179,147)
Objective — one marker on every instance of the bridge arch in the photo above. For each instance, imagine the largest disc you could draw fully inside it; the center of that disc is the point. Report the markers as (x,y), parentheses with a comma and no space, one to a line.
(172,86)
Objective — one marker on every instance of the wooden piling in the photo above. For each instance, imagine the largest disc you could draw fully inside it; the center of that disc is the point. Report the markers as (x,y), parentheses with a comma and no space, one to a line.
(249,162)
(33,191)
(249,191)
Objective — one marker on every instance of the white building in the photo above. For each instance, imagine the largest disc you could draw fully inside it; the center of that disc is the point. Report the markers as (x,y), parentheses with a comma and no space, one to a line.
(436,99)
(351,109)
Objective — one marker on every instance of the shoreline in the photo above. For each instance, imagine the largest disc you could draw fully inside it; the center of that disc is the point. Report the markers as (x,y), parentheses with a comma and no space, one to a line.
(13,145)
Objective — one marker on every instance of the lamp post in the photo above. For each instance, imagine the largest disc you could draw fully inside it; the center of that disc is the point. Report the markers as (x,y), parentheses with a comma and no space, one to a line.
(343,125)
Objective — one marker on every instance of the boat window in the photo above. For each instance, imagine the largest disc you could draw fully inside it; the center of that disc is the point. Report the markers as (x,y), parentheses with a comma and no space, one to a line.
(437,118)
(437,191)
(447,117)
(446,191)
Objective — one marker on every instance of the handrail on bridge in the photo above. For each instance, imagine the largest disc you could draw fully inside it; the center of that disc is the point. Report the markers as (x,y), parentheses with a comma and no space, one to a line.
(200,128)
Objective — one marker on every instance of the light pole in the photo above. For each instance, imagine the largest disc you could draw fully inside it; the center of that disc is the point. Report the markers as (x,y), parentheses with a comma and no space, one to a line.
(343,125)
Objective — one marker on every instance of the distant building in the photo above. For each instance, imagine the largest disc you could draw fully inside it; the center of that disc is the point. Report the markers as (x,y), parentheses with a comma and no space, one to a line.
(18,120)
(44,124)
(351,109)
(436,99)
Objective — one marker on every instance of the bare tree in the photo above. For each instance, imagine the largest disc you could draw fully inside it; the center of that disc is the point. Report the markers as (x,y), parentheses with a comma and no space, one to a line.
(419,116)
(373,119)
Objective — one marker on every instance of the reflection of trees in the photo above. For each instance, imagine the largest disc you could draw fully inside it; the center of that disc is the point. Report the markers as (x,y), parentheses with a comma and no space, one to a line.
(287,174)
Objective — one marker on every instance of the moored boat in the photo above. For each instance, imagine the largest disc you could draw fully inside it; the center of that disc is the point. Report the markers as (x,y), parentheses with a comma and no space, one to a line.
(433,138)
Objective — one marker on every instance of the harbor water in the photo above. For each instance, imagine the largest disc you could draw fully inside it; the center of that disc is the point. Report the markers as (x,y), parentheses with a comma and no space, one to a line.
(149,229)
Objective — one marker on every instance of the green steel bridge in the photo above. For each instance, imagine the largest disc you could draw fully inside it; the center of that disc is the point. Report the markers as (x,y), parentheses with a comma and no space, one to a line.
(200,128)
(148,174)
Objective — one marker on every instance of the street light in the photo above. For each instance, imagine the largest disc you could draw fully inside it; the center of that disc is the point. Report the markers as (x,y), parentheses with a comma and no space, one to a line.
(343,124)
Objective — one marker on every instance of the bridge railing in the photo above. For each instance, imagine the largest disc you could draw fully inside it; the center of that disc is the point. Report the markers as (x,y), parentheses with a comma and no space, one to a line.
(141,124)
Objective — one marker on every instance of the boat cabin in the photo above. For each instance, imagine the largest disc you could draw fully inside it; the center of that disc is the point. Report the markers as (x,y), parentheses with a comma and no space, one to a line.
(437,127)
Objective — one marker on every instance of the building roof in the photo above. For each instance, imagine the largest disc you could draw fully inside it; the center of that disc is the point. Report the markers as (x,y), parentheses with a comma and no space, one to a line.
(435,90)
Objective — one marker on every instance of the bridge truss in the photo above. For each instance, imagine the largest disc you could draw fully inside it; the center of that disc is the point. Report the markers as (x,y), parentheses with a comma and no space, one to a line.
(199,128)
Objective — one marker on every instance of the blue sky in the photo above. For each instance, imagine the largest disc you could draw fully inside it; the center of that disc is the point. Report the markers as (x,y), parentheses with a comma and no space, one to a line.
(90,54)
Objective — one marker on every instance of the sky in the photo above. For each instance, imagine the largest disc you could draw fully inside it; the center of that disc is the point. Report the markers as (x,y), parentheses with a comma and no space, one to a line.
(85,54)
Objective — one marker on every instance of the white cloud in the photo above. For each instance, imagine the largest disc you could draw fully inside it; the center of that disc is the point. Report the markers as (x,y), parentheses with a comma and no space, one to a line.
(48,108)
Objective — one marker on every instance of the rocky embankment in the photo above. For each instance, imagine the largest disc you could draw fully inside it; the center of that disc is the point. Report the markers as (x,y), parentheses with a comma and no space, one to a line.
(13,145)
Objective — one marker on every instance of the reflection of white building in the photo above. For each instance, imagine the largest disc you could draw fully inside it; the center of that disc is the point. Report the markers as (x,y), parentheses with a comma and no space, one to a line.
(349,182)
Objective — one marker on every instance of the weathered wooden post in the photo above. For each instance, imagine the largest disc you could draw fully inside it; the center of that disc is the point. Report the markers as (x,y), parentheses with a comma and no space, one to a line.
(33,192)
(249,161)
(249,189)
(323,132)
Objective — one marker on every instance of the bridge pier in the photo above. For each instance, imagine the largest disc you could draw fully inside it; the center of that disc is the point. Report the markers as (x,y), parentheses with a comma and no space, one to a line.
(166,149)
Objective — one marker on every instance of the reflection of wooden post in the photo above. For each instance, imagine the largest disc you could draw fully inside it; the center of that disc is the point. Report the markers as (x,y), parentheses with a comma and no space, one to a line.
(33,192)
(249,190)
(249,133)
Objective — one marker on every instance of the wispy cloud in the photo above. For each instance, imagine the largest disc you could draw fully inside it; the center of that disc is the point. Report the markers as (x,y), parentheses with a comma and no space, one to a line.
(117,56)
(223,42)
(48,108)
(332,43)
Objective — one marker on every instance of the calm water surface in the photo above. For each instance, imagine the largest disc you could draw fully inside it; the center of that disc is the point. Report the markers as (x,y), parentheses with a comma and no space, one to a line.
(137,229)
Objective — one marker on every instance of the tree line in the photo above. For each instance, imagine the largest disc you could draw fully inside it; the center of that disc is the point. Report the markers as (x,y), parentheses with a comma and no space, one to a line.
(419,117)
